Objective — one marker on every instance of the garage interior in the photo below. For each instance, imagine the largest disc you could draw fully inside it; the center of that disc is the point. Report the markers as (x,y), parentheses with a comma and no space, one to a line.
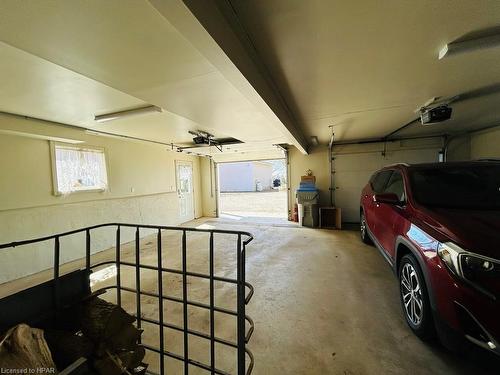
(115,117)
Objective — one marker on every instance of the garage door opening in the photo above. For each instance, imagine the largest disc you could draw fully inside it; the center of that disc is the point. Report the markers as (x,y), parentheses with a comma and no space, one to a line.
(253,189)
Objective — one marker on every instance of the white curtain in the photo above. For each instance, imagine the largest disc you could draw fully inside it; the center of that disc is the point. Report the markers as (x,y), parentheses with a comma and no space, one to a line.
(80,169)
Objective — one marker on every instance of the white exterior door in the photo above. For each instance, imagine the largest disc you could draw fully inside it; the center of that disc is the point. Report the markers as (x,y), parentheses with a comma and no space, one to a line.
(184,172)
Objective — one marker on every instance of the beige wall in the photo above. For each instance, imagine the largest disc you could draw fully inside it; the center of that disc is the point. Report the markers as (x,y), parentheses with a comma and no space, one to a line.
(485,144)
(477,145)
(459,149)
(142,189)
(317,161)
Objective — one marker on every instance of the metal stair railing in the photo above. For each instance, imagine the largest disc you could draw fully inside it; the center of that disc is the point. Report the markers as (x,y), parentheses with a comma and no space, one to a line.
(243,298)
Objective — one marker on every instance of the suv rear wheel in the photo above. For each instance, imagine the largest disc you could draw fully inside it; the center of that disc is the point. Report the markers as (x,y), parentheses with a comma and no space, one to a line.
(414,298)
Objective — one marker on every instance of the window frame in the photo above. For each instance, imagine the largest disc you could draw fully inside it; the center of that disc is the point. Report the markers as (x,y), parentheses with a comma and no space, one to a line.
(55,186)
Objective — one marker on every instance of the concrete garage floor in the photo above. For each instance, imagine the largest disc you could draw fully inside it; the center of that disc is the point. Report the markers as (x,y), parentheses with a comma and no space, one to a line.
(324,303)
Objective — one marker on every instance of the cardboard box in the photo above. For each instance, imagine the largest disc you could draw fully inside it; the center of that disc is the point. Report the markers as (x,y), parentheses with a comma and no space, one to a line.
(308,179)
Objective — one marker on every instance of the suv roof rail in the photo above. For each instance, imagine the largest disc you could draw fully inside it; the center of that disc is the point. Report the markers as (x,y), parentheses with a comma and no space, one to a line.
(397,164)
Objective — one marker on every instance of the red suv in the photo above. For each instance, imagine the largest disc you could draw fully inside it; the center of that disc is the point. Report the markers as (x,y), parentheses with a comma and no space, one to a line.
(438,226)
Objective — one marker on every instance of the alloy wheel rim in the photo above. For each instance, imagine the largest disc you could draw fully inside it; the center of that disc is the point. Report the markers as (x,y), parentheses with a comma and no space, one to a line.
(412,294)
(363,226)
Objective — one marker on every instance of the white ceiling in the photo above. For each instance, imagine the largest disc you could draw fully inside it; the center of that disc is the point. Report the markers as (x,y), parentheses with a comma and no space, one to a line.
(361,66)
(365,66)
(67,61)
(34,87)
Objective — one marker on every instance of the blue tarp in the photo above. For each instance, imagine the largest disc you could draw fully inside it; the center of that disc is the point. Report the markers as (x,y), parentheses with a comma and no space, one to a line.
(307,186)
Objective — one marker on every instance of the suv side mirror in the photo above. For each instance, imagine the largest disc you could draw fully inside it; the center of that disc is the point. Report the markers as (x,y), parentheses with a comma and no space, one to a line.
(389,198)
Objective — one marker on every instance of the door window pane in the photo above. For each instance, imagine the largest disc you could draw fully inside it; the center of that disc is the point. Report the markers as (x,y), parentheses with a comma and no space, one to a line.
(379,181)
(396,186)
(185,177)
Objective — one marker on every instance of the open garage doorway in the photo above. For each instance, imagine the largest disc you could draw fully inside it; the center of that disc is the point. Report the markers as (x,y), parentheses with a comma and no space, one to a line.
(253,190)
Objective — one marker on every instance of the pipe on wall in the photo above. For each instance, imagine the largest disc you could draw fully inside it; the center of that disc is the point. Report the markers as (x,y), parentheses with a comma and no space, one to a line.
(330,160)
(382,140)
(89,130)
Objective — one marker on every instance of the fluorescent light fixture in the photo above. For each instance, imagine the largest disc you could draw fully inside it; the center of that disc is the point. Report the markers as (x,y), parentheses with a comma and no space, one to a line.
(443,51)
(127,113)
(470,45)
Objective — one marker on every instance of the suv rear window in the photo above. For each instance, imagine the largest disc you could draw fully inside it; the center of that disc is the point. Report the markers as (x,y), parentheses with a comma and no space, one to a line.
(469,187)
(379,180)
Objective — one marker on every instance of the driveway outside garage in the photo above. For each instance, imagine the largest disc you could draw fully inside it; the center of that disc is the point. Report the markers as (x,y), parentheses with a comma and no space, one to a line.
(252,204)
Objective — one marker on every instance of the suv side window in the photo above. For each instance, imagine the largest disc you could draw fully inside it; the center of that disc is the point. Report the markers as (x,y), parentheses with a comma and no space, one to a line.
(379,180)
(396,186)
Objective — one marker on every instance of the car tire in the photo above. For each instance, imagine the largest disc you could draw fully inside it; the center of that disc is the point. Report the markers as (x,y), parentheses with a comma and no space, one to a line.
(414,298)
(363,230)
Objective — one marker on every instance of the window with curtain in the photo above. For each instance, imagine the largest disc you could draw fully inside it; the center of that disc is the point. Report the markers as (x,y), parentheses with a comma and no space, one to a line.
(79,169)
